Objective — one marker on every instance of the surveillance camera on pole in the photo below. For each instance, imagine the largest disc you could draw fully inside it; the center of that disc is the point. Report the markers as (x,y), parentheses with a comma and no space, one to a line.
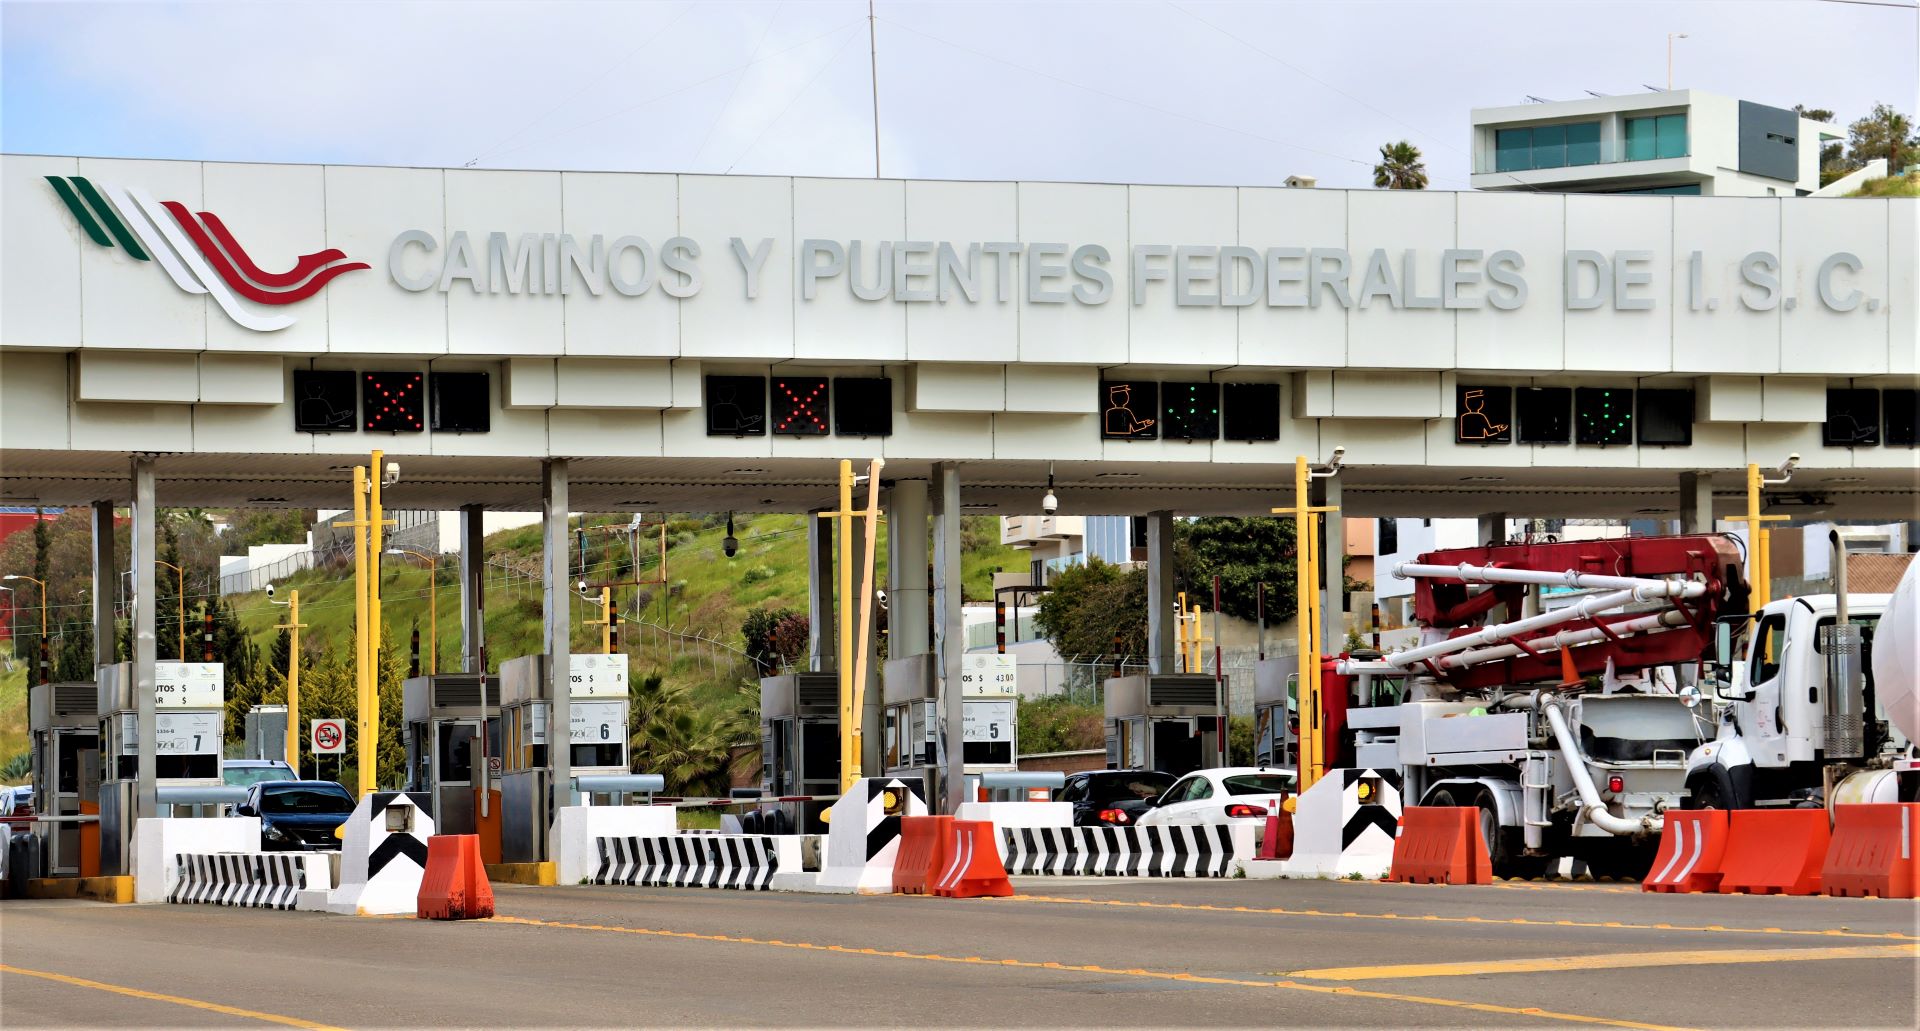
(391,476)
(1050,503)
(269,590)
(730,544)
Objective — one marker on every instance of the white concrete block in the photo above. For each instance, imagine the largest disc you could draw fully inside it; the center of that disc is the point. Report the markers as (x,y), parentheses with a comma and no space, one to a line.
(575,827)
(1791,399)
(614,383)
(242,379)
(156,841)
(958,387)
(147,376)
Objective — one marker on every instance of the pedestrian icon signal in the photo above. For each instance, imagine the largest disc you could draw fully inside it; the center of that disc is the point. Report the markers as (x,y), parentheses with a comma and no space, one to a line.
(1483,415)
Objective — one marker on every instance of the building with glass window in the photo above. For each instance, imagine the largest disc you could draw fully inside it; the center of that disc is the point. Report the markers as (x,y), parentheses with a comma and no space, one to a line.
(1673,142)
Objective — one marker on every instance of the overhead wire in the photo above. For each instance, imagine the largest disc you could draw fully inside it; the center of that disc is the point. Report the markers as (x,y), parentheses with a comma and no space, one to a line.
(765,31)
(815,77)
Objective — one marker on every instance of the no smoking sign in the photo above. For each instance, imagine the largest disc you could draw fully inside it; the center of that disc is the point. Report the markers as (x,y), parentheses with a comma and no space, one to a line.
(329,737)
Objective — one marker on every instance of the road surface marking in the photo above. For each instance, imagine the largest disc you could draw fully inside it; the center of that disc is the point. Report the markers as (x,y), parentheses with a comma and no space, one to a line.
(1612,961)
(1160,975)
(232,1011)
(1519,921)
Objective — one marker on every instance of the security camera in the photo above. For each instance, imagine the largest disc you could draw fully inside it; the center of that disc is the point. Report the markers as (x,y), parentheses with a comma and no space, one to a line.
(730,544)
(1339,453)
(269,590)
(392,475)
(1786,467)
(1050,504)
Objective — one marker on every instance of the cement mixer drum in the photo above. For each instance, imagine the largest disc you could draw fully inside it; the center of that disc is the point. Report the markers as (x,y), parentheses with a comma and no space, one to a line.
(1896,655)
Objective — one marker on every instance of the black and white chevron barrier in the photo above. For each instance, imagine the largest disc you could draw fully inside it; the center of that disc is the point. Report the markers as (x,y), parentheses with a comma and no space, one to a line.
(745,862)
(261,880)
(1152,851)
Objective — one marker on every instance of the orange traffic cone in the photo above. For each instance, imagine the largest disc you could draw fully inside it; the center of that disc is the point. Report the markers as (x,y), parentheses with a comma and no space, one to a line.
(1569,676)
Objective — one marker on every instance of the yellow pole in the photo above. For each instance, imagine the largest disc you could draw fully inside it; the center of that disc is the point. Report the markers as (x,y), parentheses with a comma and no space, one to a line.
(605,621)
(1180,620)
(866,617)
(1313,760)
(362,666)
(293,626)
(849,759)
(1759,543)
(376,471)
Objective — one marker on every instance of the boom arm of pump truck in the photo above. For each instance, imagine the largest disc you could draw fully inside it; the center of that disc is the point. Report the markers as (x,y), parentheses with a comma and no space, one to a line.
(1679,585)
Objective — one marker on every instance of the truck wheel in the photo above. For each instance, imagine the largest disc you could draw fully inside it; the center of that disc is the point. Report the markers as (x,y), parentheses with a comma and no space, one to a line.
(1704,793)
(1505,845)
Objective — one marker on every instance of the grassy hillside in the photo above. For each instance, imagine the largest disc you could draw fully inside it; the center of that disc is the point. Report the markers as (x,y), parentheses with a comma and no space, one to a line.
(704,593)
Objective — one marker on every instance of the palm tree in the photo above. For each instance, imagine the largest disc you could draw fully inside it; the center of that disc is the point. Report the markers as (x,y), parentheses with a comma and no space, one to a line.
(1400,167)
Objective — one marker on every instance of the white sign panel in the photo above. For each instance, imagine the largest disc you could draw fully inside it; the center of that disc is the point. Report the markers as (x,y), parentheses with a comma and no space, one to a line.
(328,737)
(534,727)
(178,733)
(595,723)
(598,676)
(189,685)
(988,674)
(987,721)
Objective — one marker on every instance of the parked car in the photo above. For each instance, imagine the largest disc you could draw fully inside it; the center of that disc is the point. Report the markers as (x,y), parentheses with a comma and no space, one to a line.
(1230,794)
(298,815)
(240,773)
(1112,798)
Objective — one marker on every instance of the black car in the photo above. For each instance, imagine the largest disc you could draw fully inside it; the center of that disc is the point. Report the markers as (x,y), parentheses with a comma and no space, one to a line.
(1112,798)
(298,815)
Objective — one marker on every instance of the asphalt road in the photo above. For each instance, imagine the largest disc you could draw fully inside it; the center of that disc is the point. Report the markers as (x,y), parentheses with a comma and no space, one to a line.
(1064,953)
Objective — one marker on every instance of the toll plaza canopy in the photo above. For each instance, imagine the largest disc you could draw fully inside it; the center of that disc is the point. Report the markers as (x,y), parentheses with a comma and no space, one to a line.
(697,342)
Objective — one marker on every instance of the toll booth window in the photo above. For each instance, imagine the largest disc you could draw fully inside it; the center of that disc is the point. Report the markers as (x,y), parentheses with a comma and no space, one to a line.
(892,739)
(456,753)
(819,752)
(597,755)
(71,745)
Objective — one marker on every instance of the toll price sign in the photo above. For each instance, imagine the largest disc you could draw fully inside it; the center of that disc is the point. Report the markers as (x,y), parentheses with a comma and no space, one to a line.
(983,720)
(988,674)
(592,723)
(598,676)
(176,733)
(329,737)
(189,685)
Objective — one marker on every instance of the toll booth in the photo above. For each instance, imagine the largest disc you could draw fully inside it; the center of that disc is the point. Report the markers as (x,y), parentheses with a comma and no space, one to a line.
(800,739)
(190,711)
(1275,700)
(911,743)
(64,723)
(444,721)
(597,741)
(267,732)
(1170,722)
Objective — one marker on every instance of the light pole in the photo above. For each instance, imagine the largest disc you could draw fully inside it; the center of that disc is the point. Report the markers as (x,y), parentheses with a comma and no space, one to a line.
(45,672)
(179,601)
(292,626)
(1671,36)
(433,603)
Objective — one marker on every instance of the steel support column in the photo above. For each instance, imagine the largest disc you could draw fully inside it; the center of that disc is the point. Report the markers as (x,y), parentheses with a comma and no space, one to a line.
(949,629)
(1696,502)
(1160,615)
(473,585)
(1333,554)
(145,802)
(106,587)
(823,644)
(557,606)
(907,628)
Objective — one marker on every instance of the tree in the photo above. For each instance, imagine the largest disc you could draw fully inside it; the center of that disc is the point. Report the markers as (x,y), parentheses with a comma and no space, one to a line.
(766,645)
(1885,133)
(1092,605)
(1243,553)
(1400,167)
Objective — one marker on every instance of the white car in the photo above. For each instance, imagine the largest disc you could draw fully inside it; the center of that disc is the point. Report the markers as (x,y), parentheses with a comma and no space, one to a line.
(1230,794)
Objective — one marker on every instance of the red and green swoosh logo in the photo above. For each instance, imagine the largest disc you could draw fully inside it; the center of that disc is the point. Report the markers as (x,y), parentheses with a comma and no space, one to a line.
(196,250)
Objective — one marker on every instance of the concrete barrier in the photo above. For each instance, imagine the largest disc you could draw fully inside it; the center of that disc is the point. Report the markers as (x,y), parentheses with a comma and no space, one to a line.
(1152,851)
(261,880)
(157,842)
(746,862)
(383,857)
(577,828)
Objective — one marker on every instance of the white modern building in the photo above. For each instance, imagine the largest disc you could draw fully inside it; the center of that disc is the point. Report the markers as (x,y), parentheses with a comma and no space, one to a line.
(1679,142)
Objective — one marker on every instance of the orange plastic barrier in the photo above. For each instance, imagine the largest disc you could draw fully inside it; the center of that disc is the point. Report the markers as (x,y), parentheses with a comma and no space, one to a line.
(1440,845)
(922,854)
(454,885)
(1873,852)
(1774,851)
(1692,847)
(973,868)
(90,841)
(1276,840)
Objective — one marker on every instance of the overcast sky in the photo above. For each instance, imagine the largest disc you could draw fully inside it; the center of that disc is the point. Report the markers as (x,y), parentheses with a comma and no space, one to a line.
(1176,92)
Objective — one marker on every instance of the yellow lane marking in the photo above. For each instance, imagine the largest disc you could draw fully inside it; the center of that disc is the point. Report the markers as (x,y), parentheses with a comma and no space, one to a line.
(1613,961)
(1429,918)
(1159,975)
(232,1011)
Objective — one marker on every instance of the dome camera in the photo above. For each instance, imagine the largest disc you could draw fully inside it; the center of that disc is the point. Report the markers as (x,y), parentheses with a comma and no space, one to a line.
(730,544)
